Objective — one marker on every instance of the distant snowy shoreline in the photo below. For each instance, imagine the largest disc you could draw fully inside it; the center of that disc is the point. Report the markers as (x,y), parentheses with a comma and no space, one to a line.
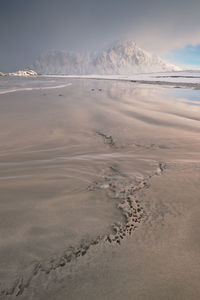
(187,78)
(23,73)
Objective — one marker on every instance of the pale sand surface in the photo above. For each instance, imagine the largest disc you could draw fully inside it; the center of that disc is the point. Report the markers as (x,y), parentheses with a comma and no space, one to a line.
(68,157)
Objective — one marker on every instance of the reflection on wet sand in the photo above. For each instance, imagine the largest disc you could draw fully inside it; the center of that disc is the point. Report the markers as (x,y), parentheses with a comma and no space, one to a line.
(96,171)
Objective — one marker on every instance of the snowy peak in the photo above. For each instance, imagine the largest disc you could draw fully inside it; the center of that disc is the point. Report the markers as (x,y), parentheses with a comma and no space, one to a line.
(122,58)
(127,58)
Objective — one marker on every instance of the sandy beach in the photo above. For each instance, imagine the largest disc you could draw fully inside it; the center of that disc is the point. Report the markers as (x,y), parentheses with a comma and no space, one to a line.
(100,194)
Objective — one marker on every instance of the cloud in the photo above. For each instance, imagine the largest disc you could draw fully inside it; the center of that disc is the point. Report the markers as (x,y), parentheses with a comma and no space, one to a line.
(162,41)
(31,27)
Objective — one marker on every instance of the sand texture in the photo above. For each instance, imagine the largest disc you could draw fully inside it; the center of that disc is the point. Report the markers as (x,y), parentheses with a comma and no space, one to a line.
(100,193)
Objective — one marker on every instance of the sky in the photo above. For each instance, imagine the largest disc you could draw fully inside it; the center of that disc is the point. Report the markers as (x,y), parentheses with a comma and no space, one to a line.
(188,56)
(28,28)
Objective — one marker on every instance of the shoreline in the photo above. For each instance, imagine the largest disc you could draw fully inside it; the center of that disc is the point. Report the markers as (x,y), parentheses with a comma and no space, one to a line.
(134,79)
(115,78)
(35,89)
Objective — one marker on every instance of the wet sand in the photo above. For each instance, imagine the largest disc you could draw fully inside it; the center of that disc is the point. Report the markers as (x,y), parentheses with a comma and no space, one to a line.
(100,192)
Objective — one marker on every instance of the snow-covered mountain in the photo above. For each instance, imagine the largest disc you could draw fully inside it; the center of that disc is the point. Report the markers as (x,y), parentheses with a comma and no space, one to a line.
(122,58)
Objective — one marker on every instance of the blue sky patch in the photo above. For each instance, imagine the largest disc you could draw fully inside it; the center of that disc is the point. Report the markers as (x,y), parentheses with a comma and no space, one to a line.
(188,56)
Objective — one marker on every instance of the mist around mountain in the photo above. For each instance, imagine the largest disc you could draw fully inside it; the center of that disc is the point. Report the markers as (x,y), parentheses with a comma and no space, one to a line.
(121,58)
